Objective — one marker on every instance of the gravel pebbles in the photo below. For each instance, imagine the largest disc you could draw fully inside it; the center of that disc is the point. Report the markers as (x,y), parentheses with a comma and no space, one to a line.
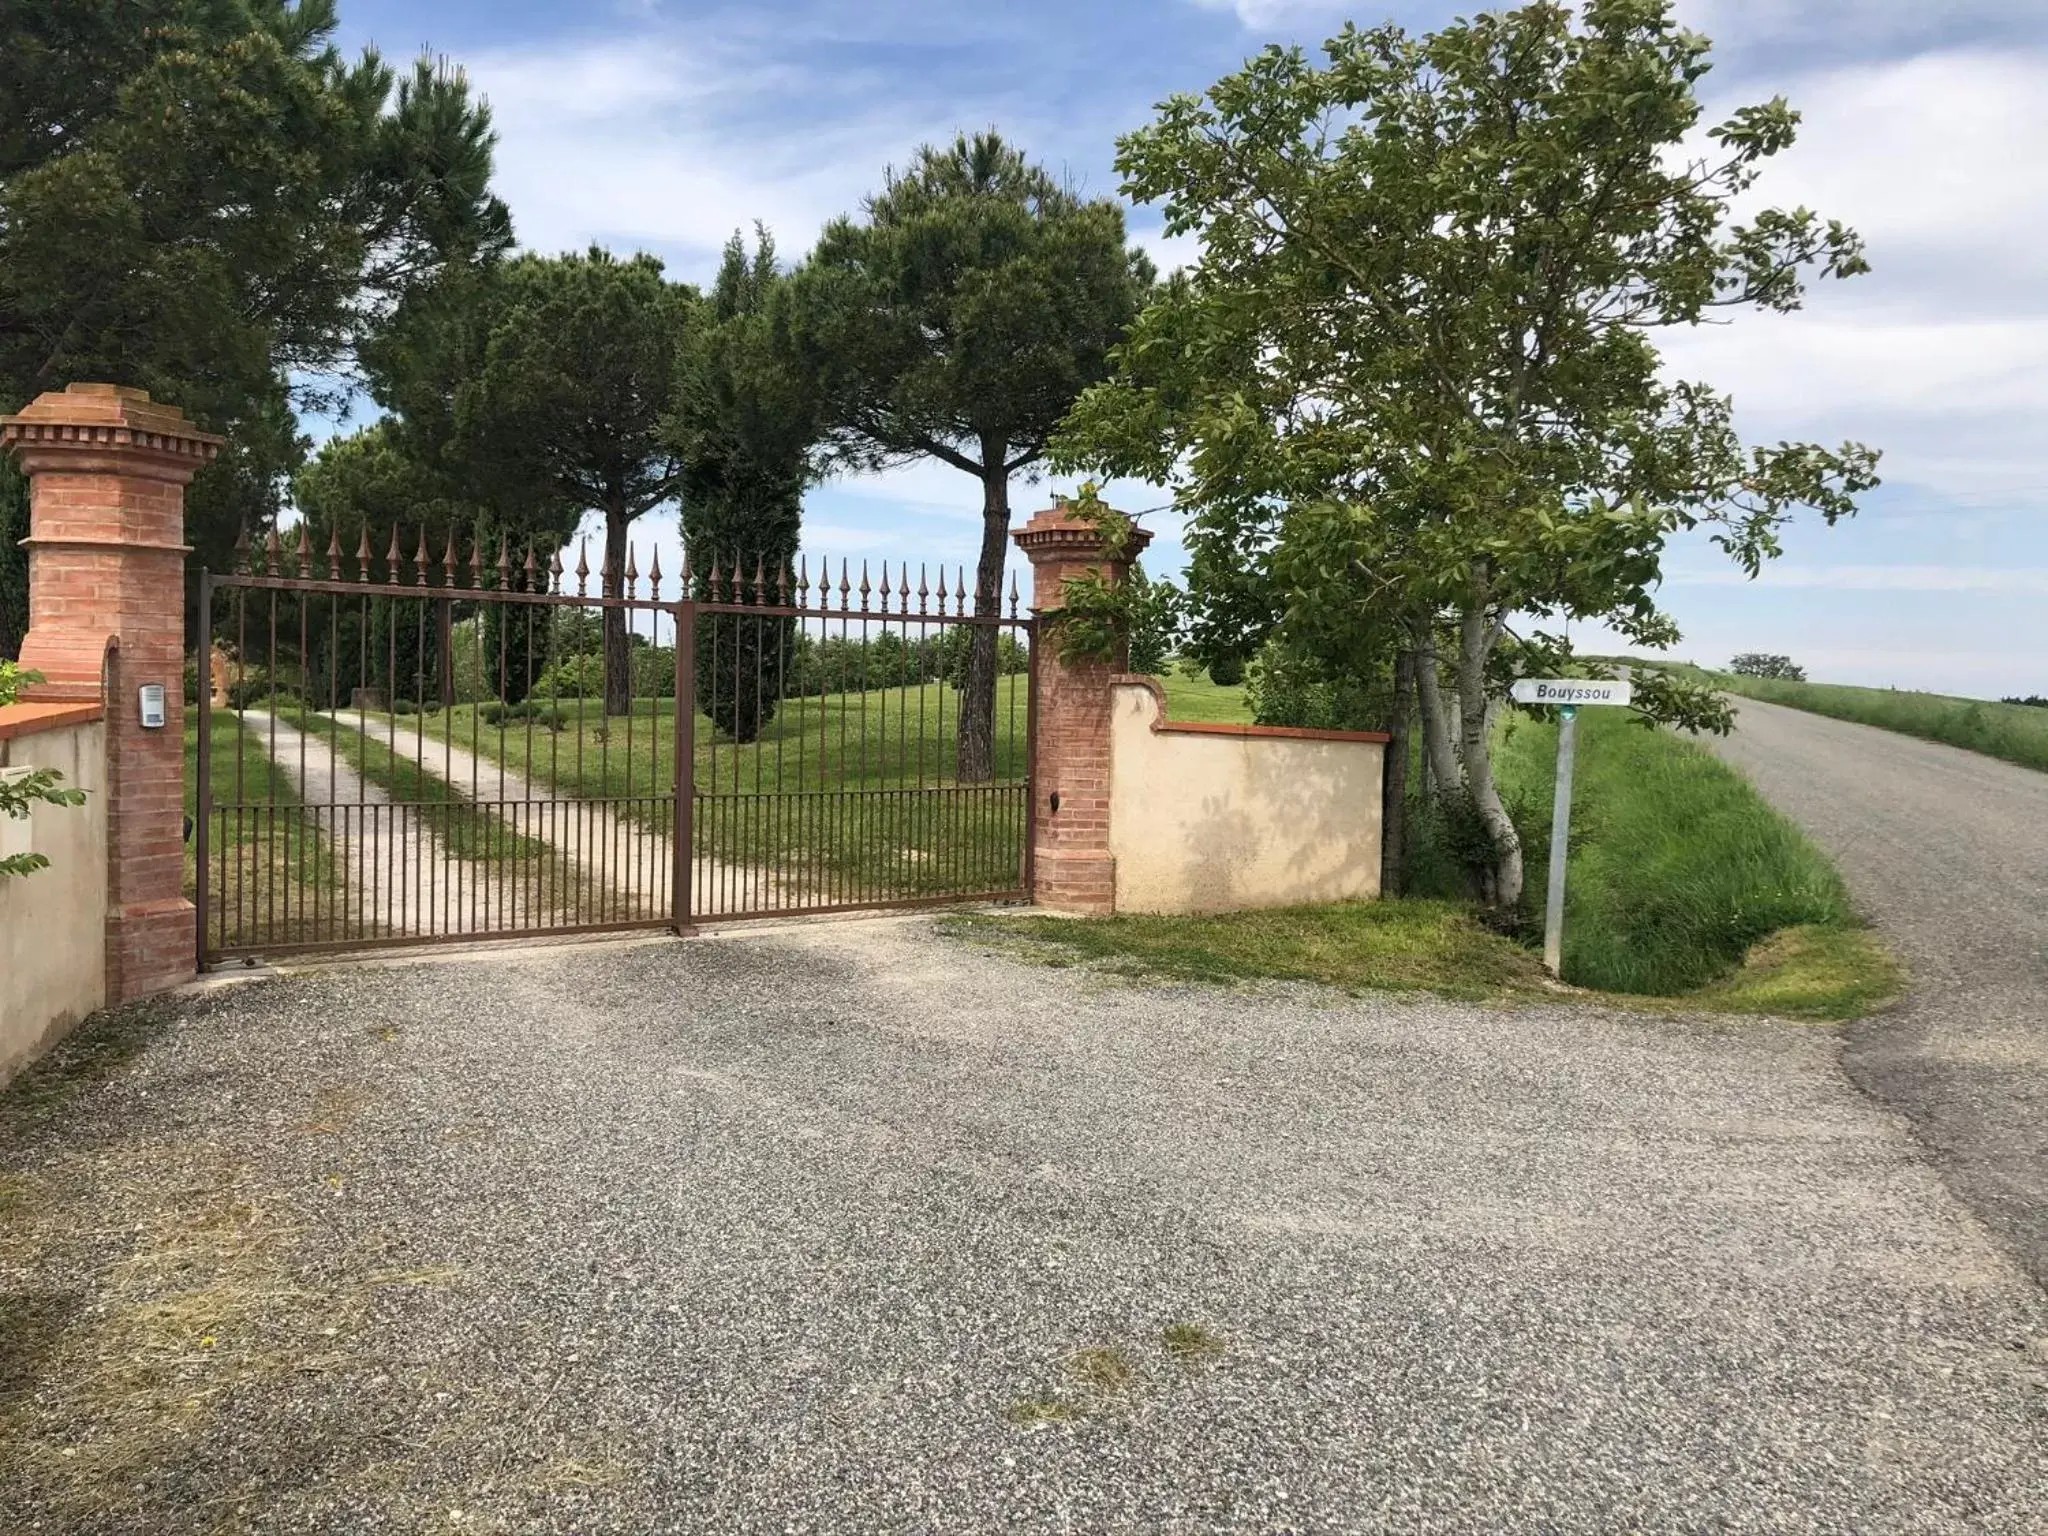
(849,1227)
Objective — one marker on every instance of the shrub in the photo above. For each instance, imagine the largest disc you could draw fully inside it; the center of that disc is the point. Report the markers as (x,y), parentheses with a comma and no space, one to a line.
(1286,688)
(540,713)
(1762,664)
(1227,671)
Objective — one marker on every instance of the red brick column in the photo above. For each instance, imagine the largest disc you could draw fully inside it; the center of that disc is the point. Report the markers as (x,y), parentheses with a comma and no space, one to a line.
(1073,869)
(107,473)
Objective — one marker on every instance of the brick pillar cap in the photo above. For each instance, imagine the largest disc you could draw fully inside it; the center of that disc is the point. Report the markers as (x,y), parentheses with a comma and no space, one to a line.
(1060,529)
(102,417)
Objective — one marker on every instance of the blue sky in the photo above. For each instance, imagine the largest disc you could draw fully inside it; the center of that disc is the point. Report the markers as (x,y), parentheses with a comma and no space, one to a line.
(663,126)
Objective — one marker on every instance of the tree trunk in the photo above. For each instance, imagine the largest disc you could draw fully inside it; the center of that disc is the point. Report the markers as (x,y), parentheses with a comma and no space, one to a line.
(618,653)
(1394,784)
(976,763)
(1476,633)
(1436,735)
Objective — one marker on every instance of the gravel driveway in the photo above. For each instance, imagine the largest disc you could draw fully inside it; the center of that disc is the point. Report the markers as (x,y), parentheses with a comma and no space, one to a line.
(1947,851)
(851,1227)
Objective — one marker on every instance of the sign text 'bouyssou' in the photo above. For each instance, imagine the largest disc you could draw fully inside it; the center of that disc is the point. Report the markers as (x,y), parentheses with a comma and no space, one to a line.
(1570,690)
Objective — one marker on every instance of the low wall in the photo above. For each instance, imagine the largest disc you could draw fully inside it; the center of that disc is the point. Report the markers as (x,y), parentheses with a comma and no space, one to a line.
(1210,818)
(53,923)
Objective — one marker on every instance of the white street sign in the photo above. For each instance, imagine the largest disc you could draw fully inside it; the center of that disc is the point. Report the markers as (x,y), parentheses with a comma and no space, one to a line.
(1570,690)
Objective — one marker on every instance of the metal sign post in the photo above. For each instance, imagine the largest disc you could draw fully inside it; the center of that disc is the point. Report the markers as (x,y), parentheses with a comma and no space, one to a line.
(1566,694)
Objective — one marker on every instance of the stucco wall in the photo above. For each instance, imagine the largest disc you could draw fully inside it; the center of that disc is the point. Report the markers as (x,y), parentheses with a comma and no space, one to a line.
(53,923)
(1210,818)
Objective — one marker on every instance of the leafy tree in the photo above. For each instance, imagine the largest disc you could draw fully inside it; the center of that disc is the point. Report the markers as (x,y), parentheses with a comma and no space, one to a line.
(542,389)
(958,321)
(202,198)
(1759,664)
(1411,389)
(21,794)
(744,429)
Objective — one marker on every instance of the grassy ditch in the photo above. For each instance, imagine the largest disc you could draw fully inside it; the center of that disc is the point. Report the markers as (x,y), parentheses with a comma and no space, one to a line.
(1685,891)
(1678,867)
(2017,733)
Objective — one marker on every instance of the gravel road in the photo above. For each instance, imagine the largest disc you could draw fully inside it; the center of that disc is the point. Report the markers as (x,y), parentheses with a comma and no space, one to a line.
(853,1228)
(1947,852)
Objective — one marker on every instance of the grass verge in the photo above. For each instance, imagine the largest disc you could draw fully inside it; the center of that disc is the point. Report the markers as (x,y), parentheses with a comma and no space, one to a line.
(1685,891)
(1678,867)
(2017,733)
(1433,946)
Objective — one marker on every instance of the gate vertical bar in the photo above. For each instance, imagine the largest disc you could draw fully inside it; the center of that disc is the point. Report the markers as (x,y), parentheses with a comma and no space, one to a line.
(682,891)
(1031,677)
(202,797)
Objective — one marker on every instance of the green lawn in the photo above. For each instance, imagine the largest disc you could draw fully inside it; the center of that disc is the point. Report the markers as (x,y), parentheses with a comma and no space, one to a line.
(1199,700)
(268,863)
(842,791)
(2018,733)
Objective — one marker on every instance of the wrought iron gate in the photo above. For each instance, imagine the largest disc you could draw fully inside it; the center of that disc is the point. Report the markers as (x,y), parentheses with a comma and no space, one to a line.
(399,750)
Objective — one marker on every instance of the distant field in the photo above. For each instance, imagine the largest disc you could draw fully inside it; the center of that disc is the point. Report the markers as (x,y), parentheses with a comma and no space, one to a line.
(2018,733)
(1199,700)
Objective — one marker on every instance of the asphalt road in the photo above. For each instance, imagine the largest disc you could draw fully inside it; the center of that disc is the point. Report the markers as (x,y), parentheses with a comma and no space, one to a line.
(850,1228)
(1947,852)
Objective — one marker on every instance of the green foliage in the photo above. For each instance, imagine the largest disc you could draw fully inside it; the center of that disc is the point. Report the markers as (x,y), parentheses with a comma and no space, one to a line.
(1677,867)
(1286,687)
(532,393)
(203,198)
(959,321)
(543,715)
(22,793)
(1134,623)
(653,675)
(1760,664)
(744,428)
(1228,671)
(1411,386)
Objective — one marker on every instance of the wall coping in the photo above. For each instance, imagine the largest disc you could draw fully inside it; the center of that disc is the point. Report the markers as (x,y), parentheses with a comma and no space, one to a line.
(28,719)
(1161,726)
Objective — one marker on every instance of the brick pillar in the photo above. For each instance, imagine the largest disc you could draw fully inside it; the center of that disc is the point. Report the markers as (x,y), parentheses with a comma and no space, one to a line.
(107,472)
(1073,869)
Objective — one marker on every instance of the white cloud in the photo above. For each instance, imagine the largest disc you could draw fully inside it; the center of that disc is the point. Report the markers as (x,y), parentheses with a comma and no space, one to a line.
(1262,14)
(1940,355)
